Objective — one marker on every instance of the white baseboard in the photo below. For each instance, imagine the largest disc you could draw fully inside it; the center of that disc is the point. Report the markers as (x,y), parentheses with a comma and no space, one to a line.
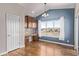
(9,51)
(3,53)
(57,43)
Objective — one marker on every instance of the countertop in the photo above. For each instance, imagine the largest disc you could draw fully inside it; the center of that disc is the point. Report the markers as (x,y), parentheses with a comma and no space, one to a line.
(27,34)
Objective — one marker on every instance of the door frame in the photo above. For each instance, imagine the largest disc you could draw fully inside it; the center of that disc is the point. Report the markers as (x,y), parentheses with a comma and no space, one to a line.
(76,30)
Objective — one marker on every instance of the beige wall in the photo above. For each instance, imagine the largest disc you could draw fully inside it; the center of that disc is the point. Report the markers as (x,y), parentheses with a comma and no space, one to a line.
(13,9)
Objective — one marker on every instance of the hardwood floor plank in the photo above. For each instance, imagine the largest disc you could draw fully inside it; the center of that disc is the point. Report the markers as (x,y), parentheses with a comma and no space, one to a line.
(43,49)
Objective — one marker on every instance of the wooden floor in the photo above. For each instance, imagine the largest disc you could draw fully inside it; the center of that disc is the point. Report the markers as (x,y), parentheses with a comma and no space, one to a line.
(42,49)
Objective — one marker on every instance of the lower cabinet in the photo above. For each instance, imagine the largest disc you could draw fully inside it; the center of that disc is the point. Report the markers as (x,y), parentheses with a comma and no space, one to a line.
(26,41)
(35,38)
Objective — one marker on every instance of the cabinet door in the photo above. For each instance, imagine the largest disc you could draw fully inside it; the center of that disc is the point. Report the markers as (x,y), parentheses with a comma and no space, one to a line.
(26,17)
(26,41)
(33,25)
(29,22)
(30,25)
(35,38)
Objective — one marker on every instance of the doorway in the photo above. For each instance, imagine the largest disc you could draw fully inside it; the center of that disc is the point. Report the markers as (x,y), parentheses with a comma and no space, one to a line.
(13,24)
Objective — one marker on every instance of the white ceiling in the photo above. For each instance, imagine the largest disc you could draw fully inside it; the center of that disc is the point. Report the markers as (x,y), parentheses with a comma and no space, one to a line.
(35,9)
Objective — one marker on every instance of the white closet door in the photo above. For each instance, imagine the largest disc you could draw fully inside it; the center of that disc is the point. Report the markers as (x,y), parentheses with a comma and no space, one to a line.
(12,32)
(16,32)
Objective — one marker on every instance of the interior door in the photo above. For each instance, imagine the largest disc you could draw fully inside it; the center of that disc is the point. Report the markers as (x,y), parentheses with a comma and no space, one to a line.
(12,32)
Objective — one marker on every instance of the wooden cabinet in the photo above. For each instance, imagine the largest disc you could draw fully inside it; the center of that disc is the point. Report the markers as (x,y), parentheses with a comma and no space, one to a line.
(31,22)
(35,38)
(26,41)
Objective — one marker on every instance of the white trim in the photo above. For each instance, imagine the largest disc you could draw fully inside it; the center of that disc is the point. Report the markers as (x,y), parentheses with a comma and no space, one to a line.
(11,50)
(57,43)
(76,34)
(3,53)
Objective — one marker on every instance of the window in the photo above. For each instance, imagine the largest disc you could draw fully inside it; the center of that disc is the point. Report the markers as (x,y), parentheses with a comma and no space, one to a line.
(52,28)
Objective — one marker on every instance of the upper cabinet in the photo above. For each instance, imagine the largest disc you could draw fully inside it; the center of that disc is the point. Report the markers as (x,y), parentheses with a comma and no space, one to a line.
(31,22)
